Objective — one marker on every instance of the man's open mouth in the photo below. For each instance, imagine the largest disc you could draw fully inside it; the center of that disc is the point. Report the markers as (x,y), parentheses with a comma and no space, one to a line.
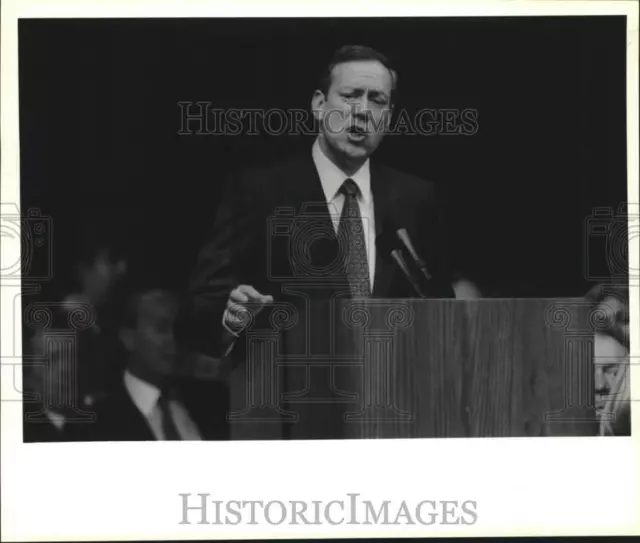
(356,133)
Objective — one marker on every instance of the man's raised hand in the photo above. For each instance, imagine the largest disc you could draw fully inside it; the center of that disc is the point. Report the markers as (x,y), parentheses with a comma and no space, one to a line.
(244,303)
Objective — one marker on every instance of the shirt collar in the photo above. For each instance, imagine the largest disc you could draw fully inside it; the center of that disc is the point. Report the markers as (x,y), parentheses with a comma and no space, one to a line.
(56,419)
(332,177)
(143,394)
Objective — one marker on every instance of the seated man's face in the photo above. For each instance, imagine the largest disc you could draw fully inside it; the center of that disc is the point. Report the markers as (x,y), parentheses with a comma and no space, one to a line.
(611,356)
(610,359)
(153,344)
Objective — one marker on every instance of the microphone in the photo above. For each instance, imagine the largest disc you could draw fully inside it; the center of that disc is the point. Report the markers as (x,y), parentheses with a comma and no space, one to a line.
(403,236)
(387,244)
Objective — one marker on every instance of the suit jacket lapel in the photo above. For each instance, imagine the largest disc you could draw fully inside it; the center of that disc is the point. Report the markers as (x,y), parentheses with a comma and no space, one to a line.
(130,423)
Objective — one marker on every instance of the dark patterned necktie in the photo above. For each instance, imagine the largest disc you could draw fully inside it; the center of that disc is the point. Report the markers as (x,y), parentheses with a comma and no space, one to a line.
(351,237)
(169,427)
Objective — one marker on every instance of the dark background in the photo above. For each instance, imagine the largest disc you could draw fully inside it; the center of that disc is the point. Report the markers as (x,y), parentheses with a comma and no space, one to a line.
(101,154)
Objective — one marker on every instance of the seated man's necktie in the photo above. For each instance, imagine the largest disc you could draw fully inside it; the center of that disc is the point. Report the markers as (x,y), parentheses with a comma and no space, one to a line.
(169,427)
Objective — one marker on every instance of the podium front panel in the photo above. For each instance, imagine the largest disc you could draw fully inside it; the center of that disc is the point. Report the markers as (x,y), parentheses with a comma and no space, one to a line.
(380,368)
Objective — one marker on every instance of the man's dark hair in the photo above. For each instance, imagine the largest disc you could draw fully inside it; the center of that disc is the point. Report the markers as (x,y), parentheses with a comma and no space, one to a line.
(132,306)
(351,53)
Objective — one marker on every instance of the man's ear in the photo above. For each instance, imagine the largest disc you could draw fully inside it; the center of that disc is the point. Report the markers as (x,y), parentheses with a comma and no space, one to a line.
(317,103)
(126,336)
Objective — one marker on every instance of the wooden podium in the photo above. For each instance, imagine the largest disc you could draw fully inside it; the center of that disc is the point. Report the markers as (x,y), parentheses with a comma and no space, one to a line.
(418,369)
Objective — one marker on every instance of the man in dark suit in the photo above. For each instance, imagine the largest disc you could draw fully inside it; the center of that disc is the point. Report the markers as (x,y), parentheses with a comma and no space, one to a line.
(300,233)
(151,401)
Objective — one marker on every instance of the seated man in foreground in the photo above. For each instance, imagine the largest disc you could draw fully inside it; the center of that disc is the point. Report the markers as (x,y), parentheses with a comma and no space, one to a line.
(151,401)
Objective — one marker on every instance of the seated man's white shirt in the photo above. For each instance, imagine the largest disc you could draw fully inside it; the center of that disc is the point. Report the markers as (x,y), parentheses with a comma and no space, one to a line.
(145,396)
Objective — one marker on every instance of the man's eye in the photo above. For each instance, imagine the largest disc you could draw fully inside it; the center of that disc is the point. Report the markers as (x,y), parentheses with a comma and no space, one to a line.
(612,370)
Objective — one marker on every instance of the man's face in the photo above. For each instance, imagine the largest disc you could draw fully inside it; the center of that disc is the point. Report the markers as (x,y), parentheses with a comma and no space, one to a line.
(355,113)
(609,353)
(153,344)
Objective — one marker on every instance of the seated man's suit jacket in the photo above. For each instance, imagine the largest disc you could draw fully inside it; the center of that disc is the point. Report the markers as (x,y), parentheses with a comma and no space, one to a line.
(119,419)
(273,230)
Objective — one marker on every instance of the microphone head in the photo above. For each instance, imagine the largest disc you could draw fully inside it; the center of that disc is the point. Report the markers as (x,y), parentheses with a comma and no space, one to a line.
(403,235)
(404,238)
(389,245)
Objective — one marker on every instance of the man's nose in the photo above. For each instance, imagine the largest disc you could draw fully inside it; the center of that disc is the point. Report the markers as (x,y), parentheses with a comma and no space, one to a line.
(601,382)
(360,108)
(362,117)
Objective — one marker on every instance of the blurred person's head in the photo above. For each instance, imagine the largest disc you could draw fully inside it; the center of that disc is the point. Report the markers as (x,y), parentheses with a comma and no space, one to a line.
(98,273)
(353,105)
(147,335)
(611,348)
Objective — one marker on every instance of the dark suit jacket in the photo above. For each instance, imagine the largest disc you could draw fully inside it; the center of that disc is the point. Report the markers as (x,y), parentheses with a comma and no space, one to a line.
(273,231)
(118,418)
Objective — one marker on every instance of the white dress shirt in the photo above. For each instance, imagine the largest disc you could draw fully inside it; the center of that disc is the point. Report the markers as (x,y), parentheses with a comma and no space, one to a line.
(332,179)
(145,396)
